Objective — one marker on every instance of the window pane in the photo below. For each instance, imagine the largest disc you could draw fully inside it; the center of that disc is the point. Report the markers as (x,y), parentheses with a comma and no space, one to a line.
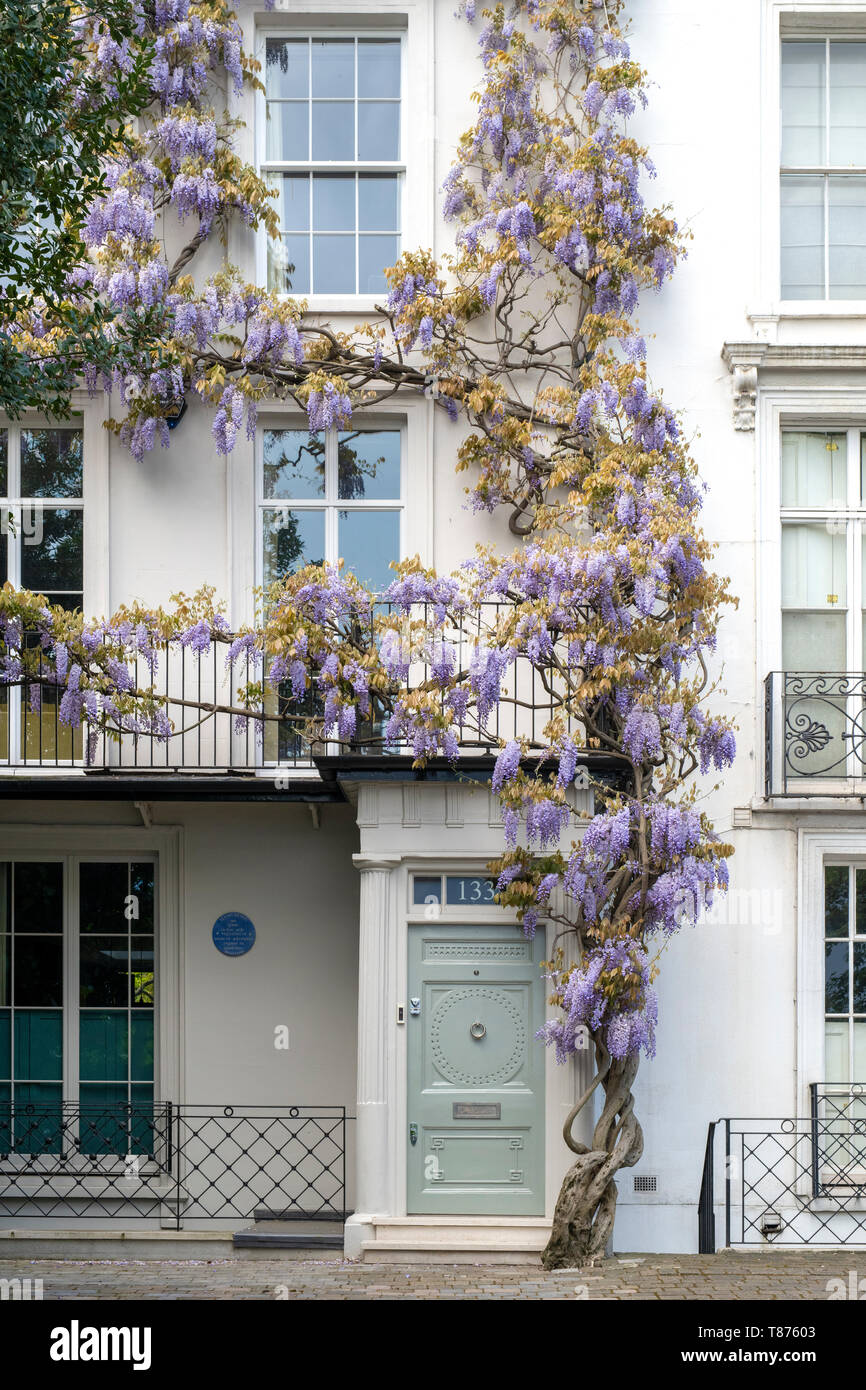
(5,1044)
(38,975)
(291,540)
(814,470)
(426,890)
(105,1122)
(141,1066)
(368,542)
(859,981)
(836,880)
(334,264)
(368,464)
(55,558)
(333,130)
(836,1052)
(847,231)
(836,977)
(142,886)
(848,103)
(104,891)
(287,68)
(803,78)
(38,897)
(814,642)
(379,68)
(333,68)
(104,1045)
(38,1119)
(334,203)
(38,1045)
(378,130)
(289,265)
(375,253)
(104,972)
(51,463)
(5,969)
(293,200)
(294,464)
(813,567)
(142,968)
(4,462)
(378,203)
(288,130)
(802,237)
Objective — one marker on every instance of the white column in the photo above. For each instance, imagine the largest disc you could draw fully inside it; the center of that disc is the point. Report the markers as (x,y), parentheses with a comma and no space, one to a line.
(375,1084)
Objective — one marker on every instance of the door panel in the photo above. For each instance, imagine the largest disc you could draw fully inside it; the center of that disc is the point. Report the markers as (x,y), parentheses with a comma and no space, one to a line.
(476,1072)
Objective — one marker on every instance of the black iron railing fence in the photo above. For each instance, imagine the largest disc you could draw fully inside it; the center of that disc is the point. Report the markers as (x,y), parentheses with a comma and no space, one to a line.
(790,1181)
(173,1163)
(199,694)
(814,732)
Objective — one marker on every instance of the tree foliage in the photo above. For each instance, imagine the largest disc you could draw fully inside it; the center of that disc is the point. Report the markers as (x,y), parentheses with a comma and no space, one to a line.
(67,72)
(527,332)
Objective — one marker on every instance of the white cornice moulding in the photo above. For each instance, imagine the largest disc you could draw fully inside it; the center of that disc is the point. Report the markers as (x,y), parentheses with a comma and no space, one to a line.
(746,361)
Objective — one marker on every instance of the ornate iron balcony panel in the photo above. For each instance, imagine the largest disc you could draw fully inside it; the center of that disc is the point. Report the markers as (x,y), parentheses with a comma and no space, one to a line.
(814,733)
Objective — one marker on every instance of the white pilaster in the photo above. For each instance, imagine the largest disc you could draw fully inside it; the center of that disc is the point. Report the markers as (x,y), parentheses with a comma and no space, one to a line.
(375,1089)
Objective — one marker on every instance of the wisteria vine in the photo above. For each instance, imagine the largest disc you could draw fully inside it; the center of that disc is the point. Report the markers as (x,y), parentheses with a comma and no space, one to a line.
(528,330)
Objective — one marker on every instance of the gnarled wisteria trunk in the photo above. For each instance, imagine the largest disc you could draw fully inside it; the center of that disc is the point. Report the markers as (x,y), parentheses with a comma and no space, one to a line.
(586,1206)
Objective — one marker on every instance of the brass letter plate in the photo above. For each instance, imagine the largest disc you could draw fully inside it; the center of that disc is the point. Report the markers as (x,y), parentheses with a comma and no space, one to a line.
(481,1110)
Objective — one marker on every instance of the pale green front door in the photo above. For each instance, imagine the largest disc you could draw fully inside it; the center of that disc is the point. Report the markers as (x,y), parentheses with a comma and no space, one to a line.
(476,1071)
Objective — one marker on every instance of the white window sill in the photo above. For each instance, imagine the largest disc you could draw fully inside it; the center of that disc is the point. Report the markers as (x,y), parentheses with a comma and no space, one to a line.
(809,309)
(350,304)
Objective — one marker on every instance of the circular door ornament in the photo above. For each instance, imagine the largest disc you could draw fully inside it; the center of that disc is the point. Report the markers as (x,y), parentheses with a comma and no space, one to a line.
(503,1033)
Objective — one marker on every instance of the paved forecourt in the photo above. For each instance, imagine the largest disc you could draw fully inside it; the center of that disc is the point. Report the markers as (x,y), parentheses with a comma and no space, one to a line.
(808,1275)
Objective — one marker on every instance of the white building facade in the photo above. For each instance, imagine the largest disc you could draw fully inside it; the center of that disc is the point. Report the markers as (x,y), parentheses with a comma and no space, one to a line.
(358,964)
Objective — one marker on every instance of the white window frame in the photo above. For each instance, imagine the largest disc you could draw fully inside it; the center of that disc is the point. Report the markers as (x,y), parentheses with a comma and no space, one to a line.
(834,409)
(163,847)
(816,848)
(853,517)
(824,170)
(87,414)
(329,503)
(784,19)
(318,22)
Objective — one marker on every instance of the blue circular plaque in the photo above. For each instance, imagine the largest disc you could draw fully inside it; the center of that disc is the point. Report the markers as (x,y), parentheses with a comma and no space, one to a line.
(233,934)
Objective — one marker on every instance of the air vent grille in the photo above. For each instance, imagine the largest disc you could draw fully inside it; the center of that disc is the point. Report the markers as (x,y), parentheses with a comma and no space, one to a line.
(645,1182)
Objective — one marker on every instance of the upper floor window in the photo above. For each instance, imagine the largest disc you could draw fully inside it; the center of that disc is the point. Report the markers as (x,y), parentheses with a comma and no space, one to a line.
(41,496)
(823,550)
(332,150)
(329,496)
(41,549)
(823,169)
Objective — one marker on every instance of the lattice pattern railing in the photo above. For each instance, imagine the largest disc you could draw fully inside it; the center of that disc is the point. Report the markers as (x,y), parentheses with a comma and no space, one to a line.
(177,1163)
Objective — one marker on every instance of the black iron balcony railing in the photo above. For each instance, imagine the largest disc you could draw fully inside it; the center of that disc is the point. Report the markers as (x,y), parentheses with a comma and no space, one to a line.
(199,695)
(178,1164)
(814,733)
(790,1181)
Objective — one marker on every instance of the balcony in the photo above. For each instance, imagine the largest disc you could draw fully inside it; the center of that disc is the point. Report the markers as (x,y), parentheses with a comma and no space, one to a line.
(213,738)
(815,733)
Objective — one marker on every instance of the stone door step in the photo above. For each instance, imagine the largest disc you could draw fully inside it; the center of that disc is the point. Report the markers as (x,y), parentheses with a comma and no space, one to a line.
(455,1240)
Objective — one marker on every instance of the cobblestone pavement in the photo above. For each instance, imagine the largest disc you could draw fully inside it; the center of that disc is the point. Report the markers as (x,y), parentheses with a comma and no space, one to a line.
(776,1275)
